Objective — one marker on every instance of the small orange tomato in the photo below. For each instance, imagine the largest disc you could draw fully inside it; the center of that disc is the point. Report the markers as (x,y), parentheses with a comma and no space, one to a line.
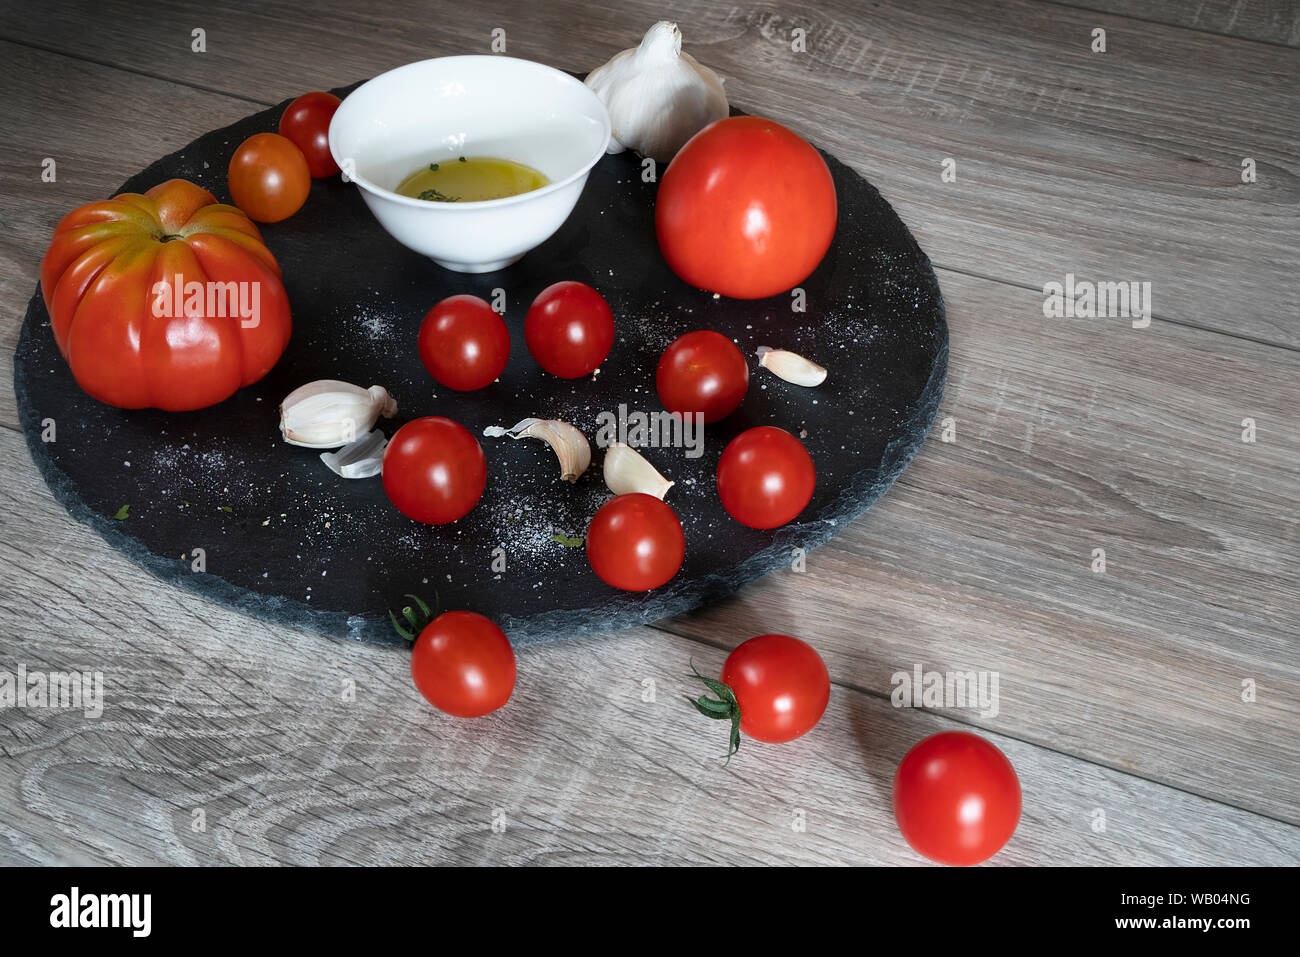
(269,179)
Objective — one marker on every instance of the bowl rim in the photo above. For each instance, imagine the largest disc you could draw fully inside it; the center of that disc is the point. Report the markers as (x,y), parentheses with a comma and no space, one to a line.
(532,194)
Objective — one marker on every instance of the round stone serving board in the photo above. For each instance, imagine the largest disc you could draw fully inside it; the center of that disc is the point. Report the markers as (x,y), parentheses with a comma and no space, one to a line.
(284,539)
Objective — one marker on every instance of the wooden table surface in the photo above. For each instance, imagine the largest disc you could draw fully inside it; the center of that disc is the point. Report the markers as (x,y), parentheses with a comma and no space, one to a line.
(1152,710)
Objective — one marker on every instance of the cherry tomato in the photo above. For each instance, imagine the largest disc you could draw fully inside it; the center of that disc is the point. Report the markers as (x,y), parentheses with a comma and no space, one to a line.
(569,329)
(463,343)
(781,685)
(765,477)
(463,664)
(306,121)
(434,470)
(746,209)
(635,542)
(956,798)
(268,178)
(704,372)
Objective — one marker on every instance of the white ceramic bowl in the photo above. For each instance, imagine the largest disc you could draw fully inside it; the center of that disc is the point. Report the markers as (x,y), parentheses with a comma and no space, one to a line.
(436,110)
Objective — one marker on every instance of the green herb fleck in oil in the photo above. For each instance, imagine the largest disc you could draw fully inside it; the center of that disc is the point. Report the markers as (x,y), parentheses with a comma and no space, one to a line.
(466,180)
(567,541)
(434,196)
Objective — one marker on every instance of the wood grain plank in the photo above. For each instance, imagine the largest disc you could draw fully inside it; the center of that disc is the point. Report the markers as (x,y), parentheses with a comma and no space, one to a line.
(1117,166)
(1269,21)
(249,724)
(980,558)
(1072,437)
(1145,516)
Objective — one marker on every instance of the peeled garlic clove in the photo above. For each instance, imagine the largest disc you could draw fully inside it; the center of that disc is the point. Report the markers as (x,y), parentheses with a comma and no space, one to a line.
(328,413)
(790,366)
(364,458)
(569,444)
(626,470)
(658,97)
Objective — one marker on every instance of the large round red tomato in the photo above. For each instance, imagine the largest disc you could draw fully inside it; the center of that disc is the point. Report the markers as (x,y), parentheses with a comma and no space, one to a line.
(434,470)
(166,300)
(306,122)
(765,477)
(702,372)
(463,664)
(635,542)
(268,177)
(569,329)
(956,798)
(463,343)
(781,685)
(746,209)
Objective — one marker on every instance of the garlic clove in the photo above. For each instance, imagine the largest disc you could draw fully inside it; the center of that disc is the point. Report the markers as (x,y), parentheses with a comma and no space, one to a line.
(791,366)
(568,443)
(626,470)
(364,458)
(328,413)
(657,96)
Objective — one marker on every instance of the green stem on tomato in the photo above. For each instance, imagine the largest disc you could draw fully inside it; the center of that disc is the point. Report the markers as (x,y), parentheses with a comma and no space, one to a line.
(724,707)
(416,622)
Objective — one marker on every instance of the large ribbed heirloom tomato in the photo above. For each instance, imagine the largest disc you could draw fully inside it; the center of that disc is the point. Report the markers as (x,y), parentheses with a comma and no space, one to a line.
(167,300)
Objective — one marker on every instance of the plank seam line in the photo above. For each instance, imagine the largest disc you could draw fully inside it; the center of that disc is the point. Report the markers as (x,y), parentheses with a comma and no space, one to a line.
(1287,347)
(1173,26)
(958,719)
(126,69)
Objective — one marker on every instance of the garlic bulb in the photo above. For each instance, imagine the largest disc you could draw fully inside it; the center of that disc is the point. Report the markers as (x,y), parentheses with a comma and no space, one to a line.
(327,414)
(626,470)
(569,445)
(791,366)
(658,97)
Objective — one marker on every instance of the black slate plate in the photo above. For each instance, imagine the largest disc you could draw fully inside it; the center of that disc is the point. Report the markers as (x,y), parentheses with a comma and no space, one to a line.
(286,540)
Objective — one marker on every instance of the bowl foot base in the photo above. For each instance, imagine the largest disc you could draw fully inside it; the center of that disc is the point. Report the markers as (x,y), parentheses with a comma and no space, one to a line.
(479,267)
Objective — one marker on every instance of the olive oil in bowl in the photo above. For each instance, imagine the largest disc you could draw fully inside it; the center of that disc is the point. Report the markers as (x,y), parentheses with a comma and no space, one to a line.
(471,179)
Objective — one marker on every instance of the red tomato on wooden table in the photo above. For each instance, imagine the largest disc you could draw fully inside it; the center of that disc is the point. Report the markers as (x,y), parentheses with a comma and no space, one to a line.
(463,664)
(146,295)
(765,477)
(464,343)
(703,372)
(956,798)
(635,542)
(268,178)
(781,685)
(434,470)
(569,329)
(746,209)
(773,688)
(306,122)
